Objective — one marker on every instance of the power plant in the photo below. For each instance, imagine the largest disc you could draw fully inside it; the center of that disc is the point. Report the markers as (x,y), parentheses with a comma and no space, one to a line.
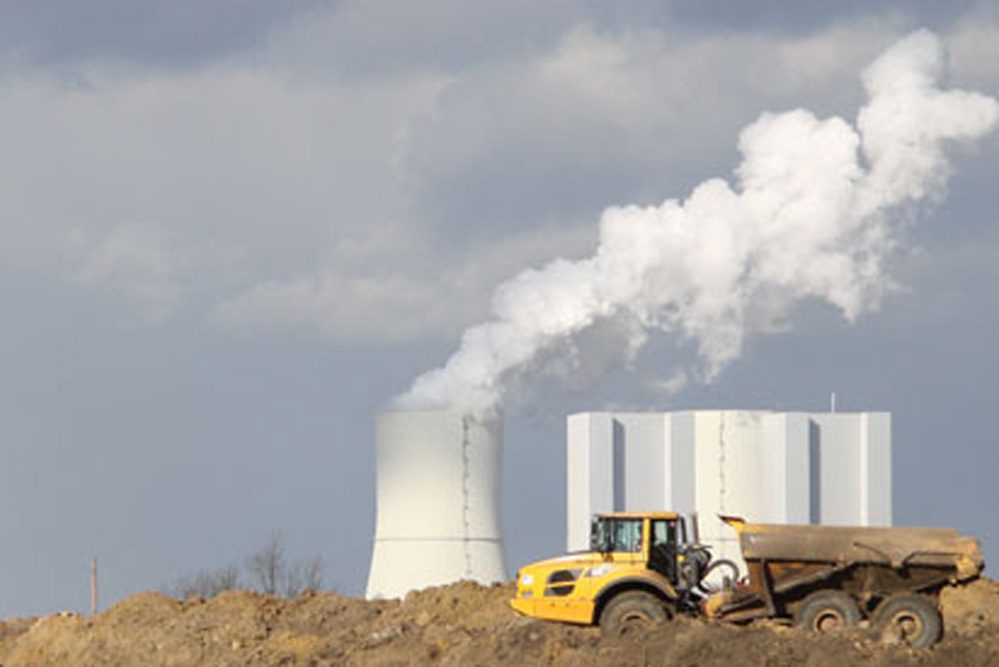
(438,502)
(439,481)
(772,467)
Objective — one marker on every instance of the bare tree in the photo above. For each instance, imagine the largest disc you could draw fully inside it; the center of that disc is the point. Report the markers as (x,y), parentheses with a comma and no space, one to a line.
(312,574)
(206,583)
(303,576)
(268,569)
(292,584)
(267,566)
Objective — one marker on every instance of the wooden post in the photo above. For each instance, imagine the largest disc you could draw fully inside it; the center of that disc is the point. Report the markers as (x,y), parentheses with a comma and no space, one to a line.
(93,586)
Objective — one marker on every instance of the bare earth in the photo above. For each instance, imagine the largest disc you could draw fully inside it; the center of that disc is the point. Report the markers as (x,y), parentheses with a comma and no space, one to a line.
(461,624)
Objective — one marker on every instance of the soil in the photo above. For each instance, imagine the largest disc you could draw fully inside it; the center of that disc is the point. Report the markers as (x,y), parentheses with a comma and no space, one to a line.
(460,624)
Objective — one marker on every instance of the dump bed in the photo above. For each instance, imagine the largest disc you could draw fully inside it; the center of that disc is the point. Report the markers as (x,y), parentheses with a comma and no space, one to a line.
(943,548)
(786,563)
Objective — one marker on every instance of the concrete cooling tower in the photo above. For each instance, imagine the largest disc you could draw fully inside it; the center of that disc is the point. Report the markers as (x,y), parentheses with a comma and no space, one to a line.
(438,502)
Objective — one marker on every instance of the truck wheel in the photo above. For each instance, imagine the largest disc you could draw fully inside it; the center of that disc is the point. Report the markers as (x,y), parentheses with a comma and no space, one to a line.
(631,611)
(906,618)
(827,611)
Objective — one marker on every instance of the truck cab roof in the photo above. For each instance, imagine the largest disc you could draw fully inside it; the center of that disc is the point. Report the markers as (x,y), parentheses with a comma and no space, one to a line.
(638,515)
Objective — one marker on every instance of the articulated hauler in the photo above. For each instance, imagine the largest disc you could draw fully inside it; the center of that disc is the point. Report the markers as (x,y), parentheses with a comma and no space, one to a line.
(641,568)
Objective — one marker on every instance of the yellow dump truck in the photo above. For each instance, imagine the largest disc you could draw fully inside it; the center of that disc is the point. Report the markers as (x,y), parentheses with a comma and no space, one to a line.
(642,568)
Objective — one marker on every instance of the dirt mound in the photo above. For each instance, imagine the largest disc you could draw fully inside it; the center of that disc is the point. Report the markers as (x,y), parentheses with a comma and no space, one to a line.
(461,624)
(972,610)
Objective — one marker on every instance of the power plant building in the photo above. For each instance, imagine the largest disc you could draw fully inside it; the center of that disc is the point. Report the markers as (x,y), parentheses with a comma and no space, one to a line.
(768,467)
(438,502)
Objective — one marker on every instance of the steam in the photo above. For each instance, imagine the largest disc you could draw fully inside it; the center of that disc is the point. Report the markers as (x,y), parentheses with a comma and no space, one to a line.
(812,215)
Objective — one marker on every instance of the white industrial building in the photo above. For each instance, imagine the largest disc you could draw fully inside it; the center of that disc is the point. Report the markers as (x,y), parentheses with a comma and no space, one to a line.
(769,467)
(438,502)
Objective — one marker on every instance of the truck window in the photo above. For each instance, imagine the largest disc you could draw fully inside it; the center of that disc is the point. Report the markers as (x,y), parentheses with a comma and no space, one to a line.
(664,532)
(617,534)
(628,535)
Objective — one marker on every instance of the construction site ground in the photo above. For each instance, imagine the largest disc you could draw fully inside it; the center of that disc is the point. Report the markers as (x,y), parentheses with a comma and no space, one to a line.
(461,624)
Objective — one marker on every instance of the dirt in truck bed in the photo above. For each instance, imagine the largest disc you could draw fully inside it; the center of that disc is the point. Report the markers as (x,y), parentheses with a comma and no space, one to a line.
(461,624)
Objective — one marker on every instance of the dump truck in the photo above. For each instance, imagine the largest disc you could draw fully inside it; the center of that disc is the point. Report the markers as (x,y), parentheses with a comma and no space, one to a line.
(641,569)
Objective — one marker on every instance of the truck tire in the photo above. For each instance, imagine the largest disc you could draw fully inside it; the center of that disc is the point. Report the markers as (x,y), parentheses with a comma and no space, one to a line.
(827,611)
(907,618)
(631,611)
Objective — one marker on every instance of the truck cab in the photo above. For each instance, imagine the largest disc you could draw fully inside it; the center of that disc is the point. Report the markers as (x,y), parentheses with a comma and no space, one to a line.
(640,568)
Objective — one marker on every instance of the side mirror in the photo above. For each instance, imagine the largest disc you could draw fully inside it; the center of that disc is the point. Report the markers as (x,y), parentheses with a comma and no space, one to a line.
(594,536)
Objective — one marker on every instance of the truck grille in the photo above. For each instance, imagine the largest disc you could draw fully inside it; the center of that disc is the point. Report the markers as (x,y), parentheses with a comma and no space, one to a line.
(561,583)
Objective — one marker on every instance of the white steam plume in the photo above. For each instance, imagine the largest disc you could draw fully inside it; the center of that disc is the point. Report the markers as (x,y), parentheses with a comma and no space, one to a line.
(812,216)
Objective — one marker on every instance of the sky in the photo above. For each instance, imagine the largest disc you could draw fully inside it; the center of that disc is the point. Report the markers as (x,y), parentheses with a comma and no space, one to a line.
(232,231)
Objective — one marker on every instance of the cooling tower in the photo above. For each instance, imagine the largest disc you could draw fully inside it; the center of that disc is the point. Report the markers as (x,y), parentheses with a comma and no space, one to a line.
(438,499)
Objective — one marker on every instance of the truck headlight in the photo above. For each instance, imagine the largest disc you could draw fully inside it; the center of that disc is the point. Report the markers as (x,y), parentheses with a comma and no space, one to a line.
(599,570)
(527,580)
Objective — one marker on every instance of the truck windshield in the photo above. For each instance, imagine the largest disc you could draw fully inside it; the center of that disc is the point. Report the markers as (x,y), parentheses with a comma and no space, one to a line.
(610,534)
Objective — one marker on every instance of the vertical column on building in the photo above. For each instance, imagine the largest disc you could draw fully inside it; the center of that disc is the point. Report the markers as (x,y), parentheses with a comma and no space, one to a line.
(786,471)
(679,476)
(875,469)
(643,483)
(839,470)
(589,473)
(712,444)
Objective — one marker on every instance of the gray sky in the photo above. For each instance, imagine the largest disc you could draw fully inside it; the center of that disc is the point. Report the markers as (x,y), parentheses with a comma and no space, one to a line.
(232,231)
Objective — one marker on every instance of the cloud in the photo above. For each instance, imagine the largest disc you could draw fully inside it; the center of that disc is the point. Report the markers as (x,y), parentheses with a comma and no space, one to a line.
(134,262)
(974,48)
(610,115)
(357,295)
(271,164)
(159,34)
(372,39)
(252,174)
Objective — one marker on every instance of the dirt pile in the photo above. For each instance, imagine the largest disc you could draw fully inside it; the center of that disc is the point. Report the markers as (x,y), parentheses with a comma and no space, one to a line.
(461,624)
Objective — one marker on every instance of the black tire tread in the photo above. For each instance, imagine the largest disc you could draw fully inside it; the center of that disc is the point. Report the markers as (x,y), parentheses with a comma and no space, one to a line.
(919,605)
(822,600)
(631,601)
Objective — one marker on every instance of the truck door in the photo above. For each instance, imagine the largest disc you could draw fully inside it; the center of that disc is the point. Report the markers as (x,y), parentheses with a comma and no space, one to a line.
(664,548)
